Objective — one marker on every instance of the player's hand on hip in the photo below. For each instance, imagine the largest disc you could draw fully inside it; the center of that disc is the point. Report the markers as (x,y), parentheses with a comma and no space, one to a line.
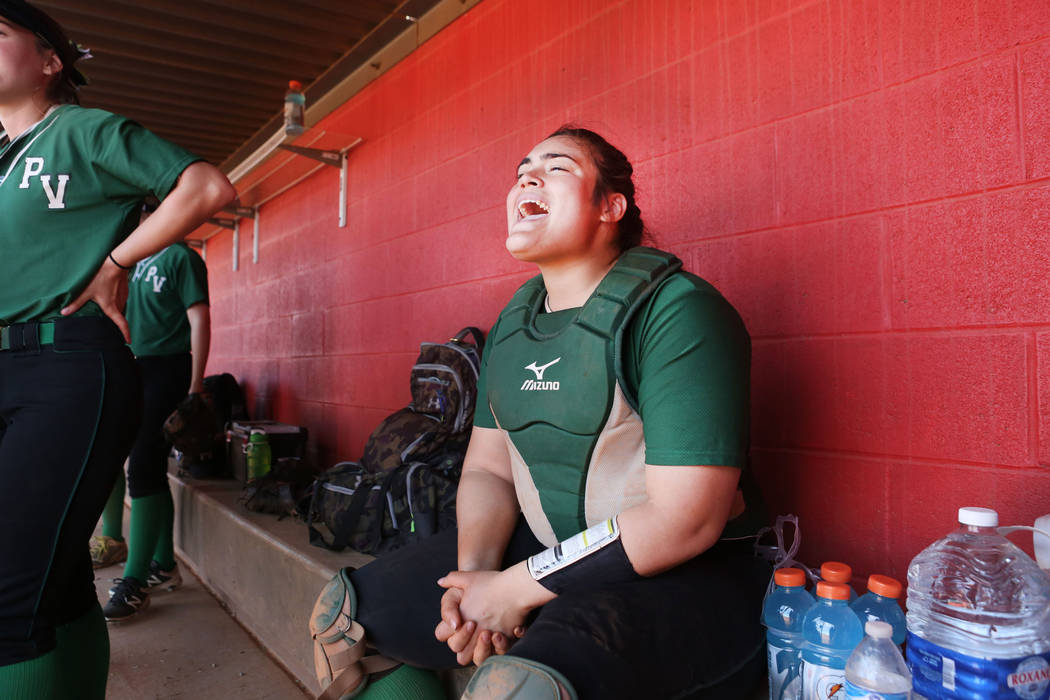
(108,289)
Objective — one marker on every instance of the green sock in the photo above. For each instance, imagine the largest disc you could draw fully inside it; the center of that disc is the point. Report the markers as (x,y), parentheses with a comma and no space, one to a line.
(77,667)
(36,679)
(113,515)
(83,655)
(146,519)
(164,553)
(405,682)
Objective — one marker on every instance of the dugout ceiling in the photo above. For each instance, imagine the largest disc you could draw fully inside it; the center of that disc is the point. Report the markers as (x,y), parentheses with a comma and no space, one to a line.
(210,75)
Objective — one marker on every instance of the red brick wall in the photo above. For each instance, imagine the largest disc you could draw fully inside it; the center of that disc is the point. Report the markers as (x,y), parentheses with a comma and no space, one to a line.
(868,181)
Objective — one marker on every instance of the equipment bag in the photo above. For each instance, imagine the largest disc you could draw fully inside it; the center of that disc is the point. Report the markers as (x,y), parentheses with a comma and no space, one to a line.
(281,490)
(404,487)
(376,513)
(444,384)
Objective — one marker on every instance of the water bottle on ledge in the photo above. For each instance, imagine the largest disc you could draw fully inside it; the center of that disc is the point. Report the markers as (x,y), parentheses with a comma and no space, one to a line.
(294,109)
(880,603)
(782,615)
(837,572)
(978,616)
(876,670)
(831,631)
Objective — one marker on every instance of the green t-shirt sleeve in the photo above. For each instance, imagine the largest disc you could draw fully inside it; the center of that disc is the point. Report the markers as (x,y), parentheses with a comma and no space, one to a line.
(132,160)
(687,358)
(192,279)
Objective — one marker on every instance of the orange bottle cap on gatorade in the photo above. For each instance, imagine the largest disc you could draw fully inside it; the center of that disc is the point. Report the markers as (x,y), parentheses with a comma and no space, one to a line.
(884,586)
(295,85)
(836,572)
(833,591)
(789,577)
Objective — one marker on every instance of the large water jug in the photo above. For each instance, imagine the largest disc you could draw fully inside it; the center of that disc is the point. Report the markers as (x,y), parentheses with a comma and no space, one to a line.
(978,616)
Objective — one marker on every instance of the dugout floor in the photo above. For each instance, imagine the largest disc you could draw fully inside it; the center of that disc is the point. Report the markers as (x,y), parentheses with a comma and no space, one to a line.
(185,645)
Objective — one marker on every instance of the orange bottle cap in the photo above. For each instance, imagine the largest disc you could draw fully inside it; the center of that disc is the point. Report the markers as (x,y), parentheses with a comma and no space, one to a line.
(789,577)
(295,85)
(833,591)
(884,586)
(836,572)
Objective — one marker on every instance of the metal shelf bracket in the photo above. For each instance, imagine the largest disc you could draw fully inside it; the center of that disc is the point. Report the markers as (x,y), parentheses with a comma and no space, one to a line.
(337,159)
(235,226)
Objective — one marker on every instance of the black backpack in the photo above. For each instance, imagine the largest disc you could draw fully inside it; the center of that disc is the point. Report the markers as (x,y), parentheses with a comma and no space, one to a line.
(404,487)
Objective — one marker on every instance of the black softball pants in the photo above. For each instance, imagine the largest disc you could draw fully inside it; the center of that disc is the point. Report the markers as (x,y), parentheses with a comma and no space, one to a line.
(165,381)
(693,631)
(68,414)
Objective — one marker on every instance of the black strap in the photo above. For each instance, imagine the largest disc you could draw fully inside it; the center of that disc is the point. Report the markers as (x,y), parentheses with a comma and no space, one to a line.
(479,337)
(341,537)
(358,502)
(316,538)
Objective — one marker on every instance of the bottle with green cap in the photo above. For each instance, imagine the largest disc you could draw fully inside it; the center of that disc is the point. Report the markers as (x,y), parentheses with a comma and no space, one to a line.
(257,454)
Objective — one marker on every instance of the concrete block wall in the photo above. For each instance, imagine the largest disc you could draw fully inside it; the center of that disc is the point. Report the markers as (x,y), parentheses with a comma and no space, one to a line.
(868,181)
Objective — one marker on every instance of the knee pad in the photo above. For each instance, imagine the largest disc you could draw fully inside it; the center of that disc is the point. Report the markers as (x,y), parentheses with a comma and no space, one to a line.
(515,678)
(339,642)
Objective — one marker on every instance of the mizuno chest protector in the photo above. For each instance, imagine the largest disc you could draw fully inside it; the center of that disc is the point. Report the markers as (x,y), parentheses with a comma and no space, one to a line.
(575,438)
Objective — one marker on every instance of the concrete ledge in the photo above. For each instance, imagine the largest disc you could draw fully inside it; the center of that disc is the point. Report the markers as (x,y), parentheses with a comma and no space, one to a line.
(263,570)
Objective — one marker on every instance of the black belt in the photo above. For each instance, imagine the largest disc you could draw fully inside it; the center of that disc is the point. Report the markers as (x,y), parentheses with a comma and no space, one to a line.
(26,336)
(72,333)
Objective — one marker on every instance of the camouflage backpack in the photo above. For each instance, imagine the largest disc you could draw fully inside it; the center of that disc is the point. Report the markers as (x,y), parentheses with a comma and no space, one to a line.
(404,487)
(376,513)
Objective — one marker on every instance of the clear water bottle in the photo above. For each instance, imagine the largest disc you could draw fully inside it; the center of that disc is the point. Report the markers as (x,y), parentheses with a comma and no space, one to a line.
(881,603)
(830,630)
(876,670)
(782,615)
(978,616)
(294,109)
(837,572)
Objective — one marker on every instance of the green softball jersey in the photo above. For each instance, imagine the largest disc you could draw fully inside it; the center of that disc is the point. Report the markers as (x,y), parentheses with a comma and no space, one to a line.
(686,361)
(160,290)
(71,188)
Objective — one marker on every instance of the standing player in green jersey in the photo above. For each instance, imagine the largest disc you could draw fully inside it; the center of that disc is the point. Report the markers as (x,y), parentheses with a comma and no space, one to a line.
(170,335)
(72,182)
(606,513)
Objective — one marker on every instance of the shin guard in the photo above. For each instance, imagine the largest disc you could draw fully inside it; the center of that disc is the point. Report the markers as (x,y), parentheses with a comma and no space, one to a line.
(339,642)
(515,678)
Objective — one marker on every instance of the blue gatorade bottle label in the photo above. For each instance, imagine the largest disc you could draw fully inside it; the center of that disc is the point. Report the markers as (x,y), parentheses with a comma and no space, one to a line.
(783,672)
(823,682)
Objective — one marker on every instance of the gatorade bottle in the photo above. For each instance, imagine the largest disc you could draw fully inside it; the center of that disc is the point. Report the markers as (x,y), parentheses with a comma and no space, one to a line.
(837,572)
(978,616)
(830,631)
(881,602)
(876,670)
(294,109)
(257,454)
(782,615)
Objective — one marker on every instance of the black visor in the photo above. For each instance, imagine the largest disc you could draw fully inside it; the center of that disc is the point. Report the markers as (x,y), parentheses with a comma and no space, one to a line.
(28,17)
